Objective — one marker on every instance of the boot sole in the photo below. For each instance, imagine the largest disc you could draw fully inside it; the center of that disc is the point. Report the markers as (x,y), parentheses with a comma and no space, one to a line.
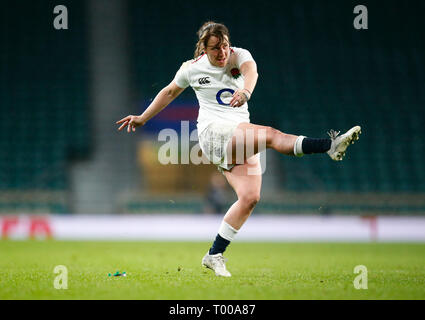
(355,135)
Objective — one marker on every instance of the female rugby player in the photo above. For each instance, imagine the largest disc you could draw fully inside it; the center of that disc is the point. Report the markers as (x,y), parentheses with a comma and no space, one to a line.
(223,78)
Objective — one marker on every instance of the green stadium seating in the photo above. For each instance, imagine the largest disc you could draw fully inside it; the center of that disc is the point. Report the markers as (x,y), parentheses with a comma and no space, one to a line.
(43,98)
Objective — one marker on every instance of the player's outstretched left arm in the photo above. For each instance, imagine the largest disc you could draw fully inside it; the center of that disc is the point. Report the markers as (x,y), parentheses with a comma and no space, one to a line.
(162,99)
(250,74)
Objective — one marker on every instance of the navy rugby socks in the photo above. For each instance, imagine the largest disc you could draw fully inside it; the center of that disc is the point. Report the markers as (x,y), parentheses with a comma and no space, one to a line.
(315,145)
(304,145)
(219,246)
(225,235)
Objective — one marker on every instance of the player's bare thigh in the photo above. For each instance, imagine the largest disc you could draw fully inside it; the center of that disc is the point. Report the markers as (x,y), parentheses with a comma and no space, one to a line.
(249,139)
(247,176)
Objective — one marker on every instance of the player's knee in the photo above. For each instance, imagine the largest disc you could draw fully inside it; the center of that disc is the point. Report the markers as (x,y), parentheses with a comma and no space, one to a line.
(250,199)
(271,135)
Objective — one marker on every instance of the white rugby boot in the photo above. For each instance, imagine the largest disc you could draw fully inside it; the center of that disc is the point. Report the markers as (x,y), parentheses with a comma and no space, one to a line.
(340,143)
(216,262)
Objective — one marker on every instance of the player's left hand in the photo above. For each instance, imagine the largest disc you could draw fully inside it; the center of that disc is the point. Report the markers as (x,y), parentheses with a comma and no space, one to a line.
(239,98)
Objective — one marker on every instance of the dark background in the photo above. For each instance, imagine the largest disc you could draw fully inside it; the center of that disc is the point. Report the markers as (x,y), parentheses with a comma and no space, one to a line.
(316,72)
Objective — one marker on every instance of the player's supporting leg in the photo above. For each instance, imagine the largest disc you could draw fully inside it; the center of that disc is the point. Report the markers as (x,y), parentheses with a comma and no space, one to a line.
(247,187)
(246,181)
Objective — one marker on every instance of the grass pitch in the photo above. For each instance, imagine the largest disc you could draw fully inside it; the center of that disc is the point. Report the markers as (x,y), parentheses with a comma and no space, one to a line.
(172,270)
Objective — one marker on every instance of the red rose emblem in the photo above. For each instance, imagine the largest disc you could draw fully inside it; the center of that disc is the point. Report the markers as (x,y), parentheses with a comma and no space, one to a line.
(235,73)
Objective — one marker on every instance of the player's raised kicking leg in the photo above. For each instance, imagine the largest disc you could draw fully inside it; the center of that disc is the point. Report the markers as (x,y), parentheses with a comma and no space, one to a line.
(267,137)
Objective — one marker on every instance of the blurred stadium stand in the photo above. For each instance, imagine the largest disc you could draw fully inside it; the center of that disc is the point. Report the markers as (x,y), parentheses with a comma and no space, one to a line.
(44,105)
(316,73)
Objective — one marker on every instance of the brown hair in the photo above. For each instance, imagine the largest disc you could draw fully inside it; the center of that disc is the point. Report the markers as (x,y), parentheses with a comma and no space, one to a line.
(208,29)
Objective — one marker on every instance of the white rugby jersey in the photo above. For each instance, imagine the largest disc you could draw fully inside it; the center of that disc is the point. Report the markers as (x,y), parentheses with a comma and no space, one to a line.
(214,87)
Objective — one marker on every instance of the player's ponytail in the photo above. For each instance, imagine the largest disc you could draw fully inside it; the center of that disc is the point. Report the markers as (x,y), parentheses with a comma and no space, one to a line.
(208,29)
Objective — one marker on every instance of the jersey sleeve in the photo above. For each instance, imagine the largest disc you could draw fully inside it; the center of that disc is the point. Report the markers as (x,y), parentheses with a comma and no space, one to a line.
(242,55)
(182,76)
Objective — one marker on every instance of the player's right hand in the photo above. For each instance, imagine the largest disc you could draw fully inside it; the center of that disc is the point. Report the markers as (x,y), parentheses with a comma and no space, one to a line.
(131,122)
